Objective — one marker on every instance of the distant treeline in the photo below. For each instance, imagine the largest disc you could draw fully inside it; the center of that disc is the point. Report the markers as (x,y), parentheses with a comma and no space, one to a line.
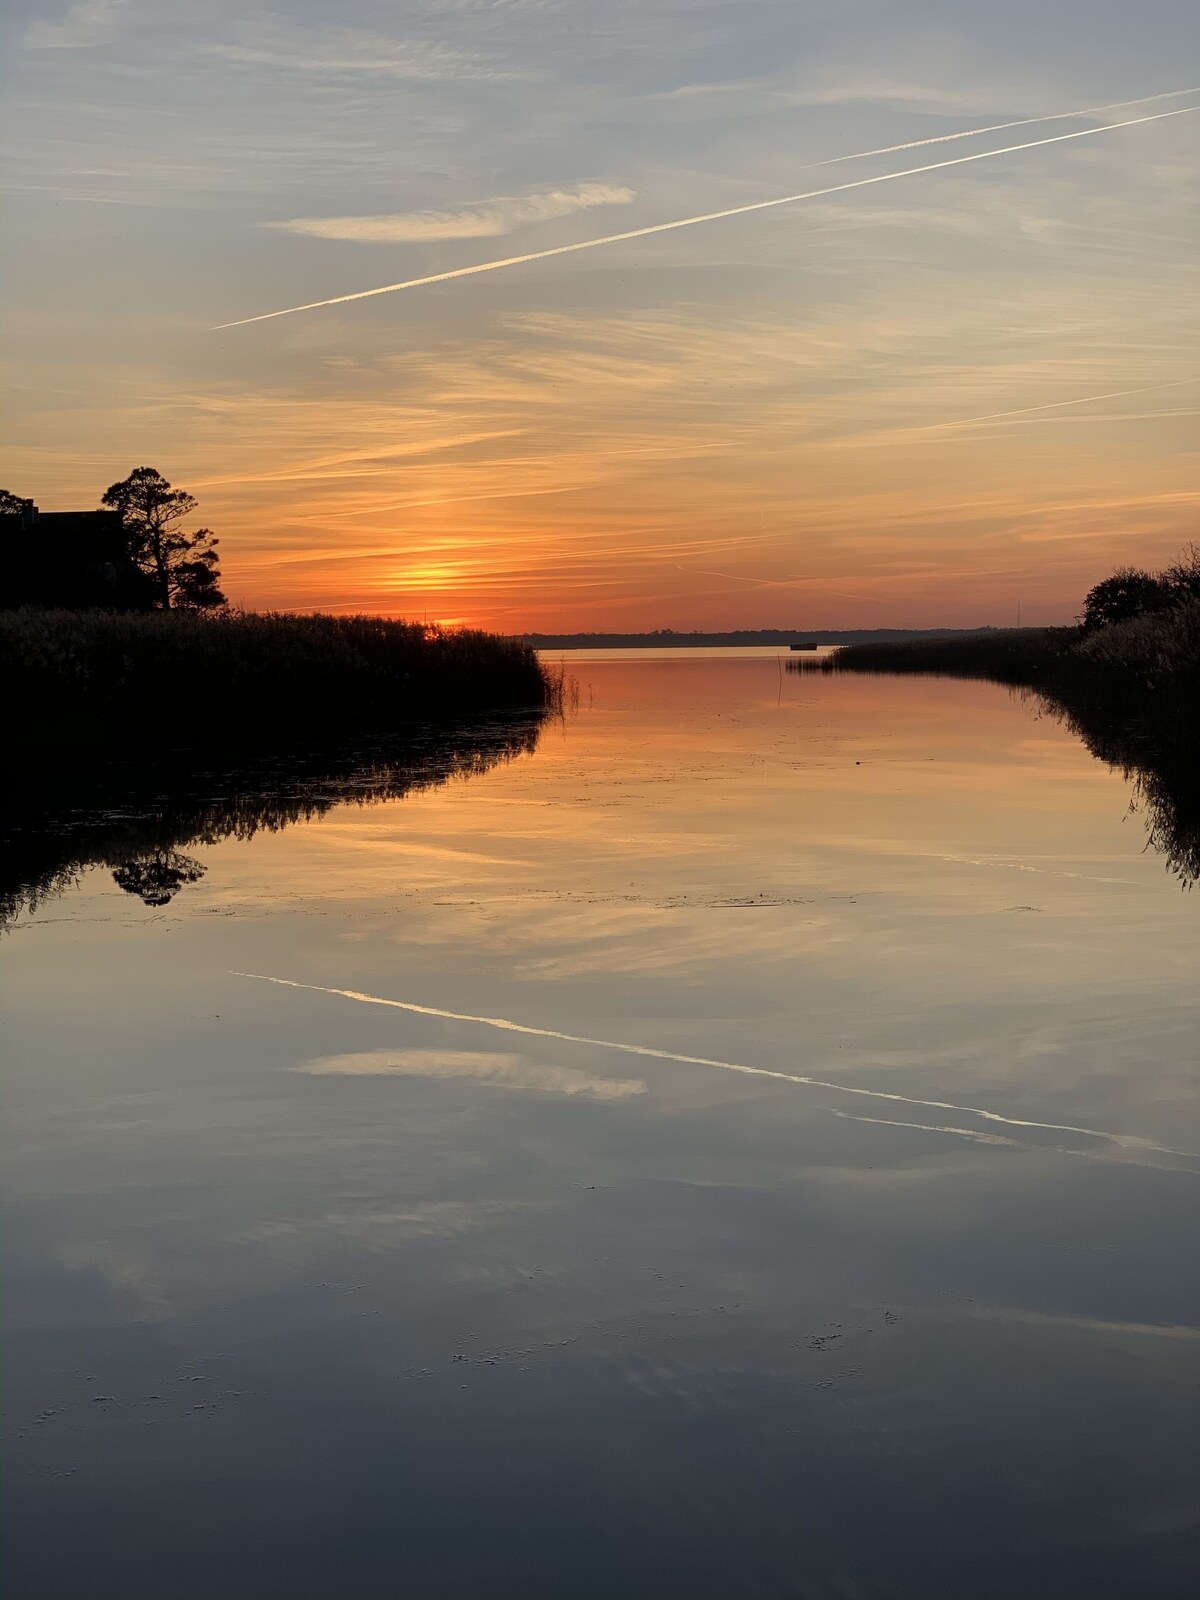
(118,683)
(781,638)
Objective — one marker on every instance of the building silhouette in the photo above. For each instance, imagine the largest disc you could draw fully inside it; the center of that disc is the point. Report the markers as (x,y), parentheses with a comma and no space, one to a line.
(69,559)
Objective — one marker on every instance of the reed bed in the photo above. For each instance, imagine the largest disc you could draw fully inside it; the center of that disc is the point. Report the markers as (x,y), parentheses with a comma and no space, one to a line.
(174,680)
(1025,655)
(1154,655)
(1157,651)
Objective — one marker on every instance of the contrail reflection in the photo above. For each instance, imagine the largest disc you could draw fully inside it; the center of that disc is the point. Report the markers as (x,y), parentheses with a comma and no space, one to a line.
(1126,1141)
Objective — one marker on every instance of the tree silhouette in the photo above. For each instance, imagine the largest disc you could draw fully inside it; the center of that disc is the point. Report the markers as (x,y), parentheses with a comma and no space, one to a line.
(1184,573)
(181,566)
(12,504)
(1127,594)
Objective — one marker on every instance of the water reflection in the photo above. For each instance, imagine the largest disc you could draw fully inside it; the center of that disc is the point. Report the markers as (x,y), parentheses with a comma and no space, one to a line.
(858,1255)
(1159,756)
(139,822)
(156,879)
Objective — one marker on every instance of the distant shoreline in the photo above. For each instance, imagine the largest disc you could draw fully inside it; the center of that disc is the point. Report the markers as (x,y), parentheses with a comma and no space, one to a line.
(782,638)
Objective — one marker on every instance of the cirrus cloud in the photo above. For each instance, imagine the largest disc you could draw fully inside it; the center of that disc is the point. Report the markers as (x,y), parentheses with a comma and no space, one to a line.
(487,219)
(86,23)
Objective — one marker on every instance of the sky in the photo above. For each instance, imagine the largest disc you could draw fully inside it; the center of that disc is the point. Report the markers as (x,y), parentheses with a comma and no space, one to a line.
(923,401)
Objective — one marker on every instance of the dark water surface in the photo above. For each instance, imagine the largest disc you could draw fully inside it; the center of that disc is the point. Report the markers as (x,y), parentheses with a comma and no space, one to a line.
(891,1292)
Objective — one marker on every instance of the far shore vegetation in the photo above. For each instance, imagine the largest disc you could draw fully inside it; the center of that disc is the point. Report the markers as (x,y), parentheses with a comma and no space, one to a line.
(115,635)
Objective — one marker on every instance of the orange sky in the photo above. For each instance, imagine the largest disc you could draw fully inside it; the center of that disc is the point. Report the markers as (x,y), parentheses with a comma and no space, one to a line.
(918,403)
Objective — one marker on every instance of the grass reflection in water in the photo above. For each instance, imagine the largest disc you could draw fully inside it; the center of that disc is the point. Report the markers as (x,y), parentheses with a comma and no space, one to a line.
(141,822)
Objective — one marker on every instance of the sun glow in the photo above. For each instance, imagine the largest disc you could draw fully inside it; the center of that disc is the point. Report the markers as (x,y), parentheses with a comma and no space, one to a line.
(423,579)
(925,403)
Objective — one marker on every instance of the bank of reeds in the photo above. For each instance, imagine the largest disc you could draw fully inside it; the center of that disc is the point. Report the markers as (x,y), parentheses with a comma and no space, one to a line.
(133,681)
(1156,652)
(1153,656)
(1024,655)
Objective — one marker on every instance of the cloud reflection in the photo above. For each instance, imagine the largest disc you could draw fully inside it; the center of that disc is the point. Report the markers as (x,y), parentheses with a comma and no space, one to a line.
(1128,1141)
(498,1071)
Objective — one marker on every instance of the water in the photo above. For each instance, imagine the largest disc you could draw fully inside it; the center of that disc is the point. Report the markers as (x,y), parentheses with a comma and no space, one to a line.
(891,1292)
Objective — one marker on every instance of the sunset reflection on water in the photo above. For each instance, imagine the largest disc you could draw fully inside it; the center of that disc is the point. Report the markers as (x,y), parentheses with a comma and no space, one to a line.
(760,1087)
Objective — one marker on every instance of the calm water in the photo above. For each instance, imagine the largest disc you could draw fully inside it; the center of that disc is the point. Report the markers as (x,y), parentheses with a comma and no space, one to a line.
(777,1177)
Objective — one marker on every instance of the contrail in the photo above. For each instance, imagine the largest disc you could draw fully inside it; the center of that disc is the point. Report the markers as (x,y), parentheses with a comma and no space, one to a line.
(708,216)
(1052,405)
(1001,127)
(1125,1141)
(767,583)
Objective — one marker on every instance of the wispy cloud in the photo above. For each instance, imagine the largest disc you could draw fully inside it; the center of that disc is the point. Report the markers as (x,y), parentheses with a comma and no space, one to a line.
(83,25)
(342,51)
(556,464)
(486,219)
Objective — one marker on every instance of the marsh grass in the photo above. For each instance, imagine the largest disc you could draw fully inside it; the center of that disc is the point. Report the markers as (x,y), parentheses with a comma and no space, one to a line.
(132,681)
(1157,656)
(1005,655)
(562,689)
(1155,652)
